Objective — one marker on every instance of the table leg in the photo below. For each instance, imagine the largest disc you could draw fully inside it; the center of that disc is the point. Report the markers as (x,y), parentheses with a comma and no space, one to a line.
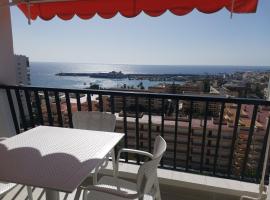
(52,195)
(113,162)
(95,175)
(29,192)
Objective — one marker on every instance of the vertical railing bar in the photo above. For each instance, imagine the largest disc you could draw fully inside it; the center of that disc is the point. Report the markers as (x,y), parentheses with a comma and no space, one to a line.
(162,123)
(125,126)
(112,104)
(58,108)
(13,112)
(236,122)
(100,102)
(48,107)
(204,135)
(262,156)
(69,110)
(137,127)
(162,117)
(175,133)
(89,102)
(78,98)
(149,126)
(189,134)
(37,101)
(218,136)
(29,107)
(250,135)
(112,111)
(19,102)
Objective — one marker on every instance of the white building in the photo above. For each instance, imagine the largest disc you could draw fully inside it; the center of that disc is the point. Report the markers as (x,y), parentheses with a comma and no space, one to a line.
(23,78)
(23,70)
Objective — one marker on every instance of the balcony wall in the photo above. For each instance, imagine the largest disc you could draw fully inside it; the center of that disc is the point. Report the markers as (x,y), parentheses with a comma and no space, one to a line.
(173,185)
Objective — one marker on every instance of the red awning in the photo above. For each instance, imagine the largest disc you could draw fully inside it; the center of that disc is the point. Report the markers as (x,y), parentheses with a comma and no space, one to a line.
(86,9)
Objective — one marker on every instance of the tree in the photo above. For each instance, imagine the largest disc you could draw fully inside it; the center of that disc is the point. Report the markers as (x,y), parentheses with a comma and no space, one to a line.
(140,86)
(173,88)
(94,86)
(206,85)
(259,92)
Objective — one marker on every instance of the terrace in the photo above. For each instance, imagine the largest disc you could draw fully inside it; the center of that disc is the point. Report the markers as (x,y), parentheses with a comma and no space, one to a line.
(212,155)
(216,145)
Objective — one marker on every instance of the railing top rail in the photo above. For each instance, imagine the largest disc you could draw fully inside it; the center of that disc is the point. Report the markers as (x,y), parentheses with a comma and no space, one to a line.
(145,94)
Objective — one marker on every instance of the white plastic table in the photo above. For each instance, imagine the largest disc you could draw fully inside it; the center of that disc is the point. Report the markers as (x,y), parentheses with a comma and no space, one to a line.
(57,159)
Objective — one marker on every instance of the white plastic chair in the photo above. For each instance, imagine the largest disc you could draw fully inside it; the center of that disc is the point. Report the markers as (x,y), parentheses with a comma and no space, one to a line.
(146,186)
(97,121)
(6,187)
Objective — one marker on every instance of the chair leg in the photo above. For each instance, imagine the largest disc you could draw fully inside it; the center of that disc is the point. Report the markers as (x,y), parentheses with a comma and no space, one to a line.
(78,194)
(29,192)
(95,174)
(157,190)
(250,198)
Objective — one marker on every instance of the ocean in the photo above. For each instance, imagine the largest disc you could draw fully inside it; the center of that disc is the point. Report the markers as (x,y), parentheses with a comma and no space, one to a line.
(43,73)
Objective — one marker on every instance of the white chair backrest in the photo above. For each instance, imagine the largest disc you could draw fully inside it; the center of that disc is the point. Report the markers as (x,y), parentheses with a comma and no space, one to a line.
(97,121)
(147,174)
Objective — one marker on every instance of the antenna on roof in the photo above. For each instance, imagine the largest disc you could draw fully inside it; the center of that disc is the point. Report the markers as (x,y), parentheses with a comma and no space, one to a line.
(28,12)
(232,8)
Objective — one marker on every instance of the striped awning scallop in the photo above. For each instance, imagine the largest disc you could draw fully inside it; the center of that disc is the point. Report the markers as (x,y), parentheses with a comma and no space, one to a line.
(86,9)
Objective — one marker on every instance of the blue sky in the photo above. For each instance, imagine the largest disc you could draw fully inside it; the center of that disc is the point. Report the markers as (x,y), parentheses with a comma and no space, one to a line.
(194,39)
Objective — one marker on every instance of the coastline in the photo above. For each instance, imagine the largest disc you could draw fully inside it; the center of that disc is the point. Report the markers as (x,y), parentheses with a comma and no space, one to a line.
(43,73)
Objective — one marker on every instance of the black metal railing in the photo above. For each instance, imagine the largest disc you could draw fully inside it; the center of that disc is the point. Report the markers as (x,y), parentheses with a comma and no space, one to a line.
(205,135)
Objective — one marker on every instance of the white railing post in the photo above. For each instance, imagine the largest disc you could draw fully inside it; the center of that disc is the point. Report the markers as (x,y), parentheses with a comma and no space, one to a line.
(7,70)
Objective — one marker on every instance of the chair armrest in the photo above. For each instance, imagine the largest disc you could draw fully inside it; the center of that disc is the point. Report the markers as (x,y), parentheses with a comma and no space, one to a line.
(249,198)
(110,191)
(133,151)
(3,138)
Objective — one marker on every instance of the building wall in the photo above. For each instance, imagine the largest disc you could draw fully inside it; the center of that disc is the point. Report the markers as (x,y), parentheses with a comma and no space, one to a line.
(23,70)
(196,139)
(23,77)
(199,107)
(156,104)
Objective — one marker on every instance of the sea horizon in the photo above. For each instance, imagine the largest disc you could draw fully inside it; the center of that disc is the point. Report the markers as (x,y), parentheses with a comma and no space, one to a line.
(43,73)
(152,65)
